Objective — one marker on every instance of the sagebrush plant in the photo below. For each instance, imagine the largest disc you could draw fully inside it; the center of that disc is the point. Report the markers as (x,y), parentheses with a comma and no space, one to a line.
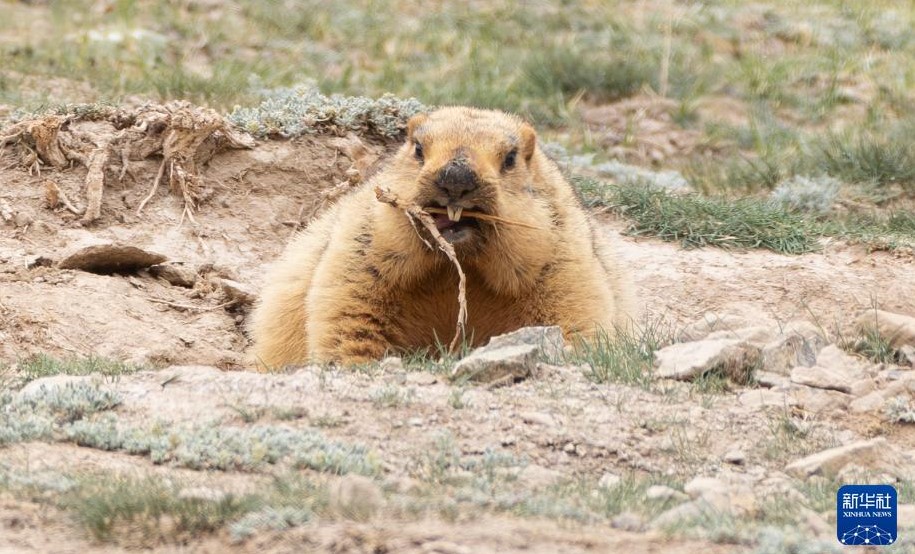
(291,112)
(814,195)
(581,500)
(270,518)
(900,410)
(214,446)
(392,396)
(627,174)
(70,402)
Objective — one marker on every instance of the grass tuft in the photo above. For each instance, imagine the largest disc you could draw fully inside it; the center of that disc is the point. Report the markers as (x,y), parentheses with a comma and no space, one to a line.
(621,355)
(696,221)
(568,71)
(149,511)
(43,365)
(867,159)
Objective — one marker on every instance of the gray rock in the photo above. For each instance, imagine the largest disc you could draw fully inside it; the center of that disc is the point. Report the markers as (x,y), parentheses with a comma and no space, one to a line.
(897,329)
(239,294)
(356,497)
(763,398)
(688,511)
(823,378)
(873,401)
(736,457)
(536,477)
(628,521)
(862,387)
(176,274)
(771,380)
(834,358)
(106,257)
(702,487)
(548,339)
(392,364)
(538,418)
(868,403)
(710,323)
(661,492)
(790,350)
(510,357)
(689,360)
(907,355)
(609,480)
(830,462)
(757,335)
(205,494)
(820,400)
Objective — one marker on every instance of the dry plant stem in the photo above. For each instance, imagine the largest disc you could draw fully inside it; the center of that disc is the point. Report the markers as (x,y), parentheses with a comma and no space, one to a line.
(56,197)
(154,188)
(95,183)
(188,306)
(485,217)
(414,213)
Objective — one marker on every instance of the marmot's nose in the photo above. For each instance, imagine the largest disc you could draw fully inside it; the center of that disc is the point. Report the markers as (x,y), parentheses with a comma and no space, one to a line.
(456,179)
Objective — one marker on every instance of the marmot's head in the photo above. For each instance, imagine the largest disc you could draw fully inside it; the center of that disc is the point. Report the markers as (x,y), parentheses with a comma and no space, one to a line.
(465,159)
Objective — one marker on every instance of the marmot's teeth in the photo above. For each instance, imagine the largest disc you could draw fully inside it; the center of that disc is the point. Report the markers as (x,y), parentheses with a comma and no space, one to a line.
(454,214)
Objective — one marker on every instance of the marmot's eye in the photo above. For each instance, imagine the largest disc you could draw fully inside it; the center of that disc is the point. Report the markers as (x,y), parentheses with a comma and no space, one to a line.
(418,153)
(509,161)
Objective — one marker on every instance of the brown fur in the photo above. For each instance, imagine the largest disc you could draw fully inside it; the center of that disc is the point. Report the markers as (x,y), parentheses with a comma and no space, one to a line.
(359,281)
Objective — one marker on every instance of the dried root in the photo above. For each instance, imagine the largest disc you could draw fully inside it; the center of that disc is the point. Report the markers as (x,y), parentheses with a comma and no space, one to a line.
(55,197)
(415,213)
(184,135)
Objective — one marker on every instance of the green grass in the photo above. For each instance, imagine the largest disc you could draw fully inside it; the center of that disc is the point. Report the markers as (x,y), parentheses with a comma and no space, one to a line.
(620,355)
(864,158)
(790,438)
(43,365)
(695,221)
(149,511)
(442,54)
(141,511)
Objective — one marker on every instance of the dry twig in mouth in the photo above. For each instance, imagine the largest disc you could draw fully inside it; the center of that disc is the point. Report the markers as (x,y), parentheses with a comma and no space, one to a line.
(485,217)
(414,213)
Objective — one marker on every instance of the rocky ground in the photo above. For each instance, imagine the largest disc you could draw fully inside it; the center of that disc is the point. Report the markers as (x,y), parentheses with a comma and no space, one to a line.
(778,378)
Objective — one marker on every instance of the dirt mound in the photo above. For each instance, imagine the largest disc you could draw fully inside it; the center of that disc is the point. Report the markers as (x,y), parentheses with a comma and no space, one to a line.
(92,176)
(642,130)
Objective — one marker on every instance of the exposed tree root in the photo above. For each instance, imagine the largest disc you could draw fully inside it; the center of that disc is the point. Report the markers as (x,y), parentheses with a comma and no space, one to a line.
(101,138)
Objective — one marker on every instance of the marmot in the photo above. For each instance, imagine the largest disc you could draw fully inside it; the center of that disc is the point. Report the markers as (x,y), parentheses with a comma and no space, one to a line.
(359,282)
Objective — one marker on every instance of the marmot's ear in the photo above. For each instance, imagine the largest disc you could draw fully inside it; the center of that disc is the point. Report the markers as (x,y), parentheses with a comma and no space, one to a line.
(414,124)
(528,141)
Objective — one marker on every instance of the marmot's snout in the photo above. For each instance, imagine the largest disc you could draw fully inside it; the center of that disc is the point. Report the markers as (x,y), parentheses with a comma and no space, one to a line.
(457,179)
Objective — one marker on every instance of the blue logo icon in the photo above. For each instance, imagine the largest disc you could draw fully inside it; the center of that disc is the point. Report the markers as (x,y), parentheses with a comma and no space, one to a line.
(866,515)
